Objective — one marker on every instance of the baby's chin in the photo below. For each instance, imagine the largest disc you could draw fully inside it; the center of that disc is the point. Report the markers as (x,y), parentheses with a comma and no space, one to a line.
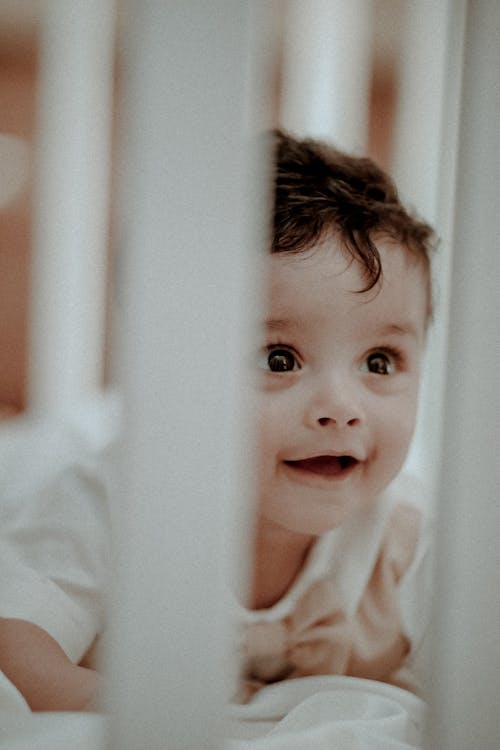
(339,513)
(308,523)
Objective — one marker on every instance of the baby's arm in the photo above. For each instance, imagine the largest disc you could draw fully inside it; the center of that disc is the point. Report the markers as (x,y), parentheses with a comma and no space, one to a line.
(54,563)
(48,680)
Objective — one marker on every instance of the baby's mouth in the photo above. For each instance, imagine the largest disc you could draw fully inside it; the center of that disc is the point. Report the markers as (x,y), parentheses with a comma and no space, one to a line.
(330,466)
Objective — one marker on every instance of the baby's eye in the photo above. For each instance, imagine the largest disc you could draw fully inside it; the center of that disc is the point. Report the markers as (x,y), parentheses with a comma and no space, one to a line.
(279,360)
(379,363)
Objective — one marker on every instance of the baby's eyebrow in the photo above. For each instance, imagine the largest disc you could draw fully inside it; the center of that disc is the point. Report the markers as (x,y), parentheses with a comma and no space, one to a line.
(280,324)
(399,329)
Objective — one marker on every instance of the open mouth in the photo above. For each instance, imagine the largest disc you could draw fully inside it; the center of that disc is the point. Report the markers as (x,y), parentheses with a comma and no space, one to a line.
(327,466)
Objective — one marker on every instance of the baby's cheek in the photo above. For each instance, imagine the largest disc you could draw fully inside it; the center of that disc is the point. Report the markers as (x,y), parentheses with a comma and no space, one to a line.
(262,425)
(400,434)
(265,438)
(272,412)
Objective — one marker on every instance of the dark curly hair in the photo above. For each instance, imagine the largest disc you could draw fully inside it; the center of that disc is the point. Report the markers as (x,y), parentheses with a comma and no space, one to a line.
(320,190)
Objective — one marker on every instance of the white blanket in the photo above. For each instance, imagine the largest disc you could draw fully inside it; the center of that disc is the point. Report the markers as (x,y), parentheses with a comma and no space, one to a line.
(329,713)
(311,713)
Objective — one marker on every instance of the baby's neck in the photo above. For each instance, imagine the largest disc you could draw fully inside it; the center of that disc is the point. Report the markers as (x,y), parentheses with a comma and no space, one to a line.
(279,556)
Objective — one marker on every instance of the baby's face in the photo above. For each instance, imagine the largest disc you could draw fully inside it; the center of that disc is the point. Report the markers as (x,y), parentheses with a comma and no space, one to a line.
(339,377)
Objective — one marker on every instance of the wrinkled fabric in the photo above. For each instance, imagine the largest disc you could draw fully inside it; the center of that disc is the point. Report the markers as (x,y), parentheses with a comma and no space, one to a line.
(328,713)
(54,731)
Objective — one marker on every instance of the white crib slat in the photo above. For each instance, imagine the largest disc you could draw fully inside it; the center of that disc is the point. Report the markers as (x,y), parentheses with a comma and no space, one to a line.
(183,272)
(466,664)
(71,203)
(427,124)
(326,70)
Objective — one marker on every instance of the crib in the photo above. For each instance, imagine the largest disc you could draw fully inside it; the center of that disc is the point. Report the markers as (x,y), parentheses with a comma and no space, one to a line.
(170,100)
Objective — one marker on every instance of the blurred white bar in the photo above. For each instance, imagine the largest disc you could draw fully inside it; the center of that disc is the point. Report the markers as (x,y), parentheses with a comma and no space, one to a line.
(326,70)
(71,203)
(188,255)
(421,101)
(466,659)
(425,155)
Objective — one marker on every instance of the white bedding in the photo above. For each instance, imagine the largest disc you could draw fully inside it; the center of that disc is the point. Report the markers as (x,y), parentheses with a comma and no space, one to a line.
(22,730)
(329,713)
(310,713)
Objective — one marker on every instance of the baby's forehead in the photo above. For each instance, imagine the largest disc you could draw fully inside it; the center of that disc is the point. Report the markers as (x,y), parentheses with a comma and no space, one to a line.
(290,274)
(327,286)
(333,259)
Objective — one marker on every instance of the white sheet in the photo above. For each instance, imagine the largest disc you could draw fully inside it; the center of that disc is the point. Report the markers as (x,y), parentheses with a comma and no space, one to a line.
(311,713)
(48,731)
(11,700)
(20,729)
(328,713)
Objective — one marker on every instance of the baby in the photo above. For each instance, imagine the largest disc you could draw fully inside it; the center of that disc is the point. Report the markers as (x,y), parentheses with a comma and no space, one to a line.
(339,578)
(339,550)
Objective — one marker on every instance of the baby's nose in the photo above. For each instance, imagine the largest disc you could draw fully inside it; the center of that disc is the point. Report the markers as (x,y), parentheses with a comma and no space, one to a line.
(335,402)
(323,421)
